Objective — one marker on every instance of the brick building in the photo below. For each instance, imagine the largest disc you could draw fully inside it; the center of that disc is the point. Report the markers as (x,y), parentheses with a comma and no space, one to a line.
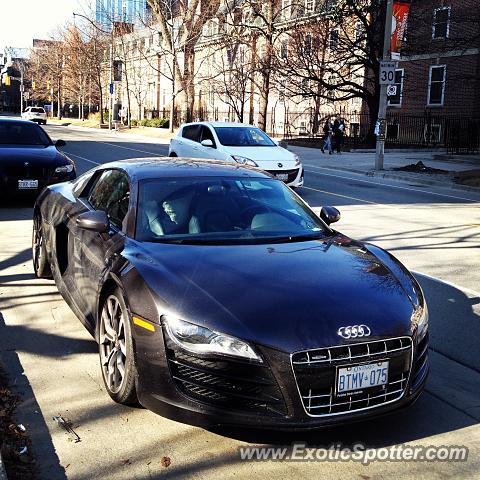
(438,75)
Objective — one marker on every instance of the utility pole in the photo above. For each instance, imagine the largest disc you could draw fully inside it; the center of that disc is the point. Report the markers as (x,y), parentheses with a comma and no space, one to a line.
(110,107)
(22,89)
(382,108)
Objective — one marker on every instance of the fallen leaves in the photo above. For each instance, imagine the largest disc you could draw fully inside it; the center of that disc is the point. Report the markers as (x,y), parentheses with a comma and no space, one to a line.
(165,462)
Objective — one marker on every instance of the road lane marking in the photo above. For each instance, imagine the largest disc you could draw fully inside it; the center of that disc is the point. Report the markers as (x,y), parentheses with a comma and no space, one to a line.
(386,184)
(82,158)
(134,149)
(343,196)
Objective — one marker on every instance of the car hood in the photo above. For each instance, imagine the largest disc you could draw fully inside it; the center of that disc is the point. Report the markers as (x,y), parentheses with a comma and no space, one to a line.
(45,156)
(266,157)
(289,296)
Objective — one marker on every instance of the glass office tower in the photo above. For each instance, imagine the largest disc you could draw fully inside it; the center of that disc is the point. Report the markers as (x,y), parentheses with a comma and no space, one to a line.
(128,11)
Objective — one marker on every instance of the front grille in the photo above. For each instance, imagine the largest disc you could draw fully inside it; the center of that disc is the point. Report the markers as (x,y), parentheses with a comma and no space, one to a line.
(315,372)
(292,174)
(225,383)
(23,172)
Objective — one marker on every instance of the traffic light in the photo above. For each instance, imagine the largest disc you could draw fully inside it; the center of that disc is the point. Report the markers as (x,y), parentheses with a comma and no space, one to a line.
(8,80)
(48,84)
(34,85)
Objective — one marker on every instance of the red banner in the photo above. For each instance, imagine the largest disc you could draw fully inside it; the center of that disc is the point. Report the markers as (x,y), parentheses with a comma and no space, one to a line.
(399,26)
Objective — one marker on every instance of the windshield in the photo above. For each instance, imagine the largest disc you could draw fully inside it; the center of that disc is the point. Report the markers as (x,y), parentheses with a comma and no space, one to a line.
(23,133)
(243,137)
(218,210)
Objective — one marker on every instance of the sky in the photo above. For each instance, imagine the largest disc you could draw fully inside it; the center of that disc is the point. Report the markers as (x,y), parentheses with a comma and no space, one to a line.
(23,20)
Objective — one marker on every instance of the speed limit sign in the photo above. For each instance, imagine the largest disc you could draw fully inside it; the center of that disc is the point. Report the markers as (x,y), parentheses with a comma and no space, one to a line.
(387,73)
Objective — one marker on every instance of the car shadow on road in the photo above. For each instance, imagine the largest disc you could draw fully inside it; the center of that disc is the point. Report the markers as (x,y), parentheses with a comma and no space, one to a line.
(450,401)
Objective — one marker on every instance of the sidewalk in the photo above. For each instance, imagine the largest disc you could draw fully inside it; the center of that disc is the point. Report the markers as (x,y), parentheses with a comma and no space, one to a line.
(364,163)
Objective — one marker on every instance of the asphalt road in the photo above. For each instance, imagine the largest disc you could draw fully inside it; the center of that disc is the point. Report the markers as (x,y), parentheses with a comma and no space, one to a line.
(52,359)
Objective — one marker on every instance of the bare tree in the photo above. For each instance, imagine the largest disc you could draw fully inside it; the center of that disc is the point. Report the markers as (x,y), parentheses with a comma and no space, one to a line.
(180,24)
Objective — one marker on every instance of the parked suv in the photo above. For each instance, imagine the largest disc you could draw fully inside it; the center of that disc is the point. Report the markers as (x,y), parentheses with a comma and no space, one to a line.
(35,114)
(237,142)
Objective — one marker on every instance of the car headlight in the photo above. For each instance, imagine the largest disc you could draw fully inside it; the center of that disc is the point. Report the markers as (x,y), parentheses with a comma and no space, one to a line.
(64,169)
(297,160)
(197,339)
(244,161)
(420,318)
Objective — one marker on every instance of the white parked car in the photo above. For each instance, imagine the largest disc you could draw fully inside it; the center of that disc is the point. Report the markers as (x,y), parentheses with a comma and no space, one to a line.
(237,142)
(35,114)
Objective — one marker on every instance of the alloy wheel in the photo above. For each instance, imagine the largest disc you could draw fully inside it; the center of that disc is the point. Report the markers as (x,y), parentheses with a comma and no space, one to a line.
(113,349)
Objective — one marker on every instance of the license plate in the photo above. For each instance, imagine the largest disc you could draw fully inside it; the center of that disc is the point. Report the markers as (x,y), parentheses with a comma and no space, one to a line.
(25,184)
(359,377)
(281,176)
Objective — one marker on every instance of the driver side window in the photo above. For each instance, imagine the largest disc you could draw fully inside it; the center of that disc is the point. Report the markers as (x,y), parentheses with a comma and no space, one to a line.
(111,193)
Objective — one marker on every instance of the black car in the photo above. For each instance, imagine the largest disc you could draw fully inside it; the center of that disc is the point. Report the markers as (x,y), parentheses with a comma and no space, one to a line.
(217,296)
(29,160)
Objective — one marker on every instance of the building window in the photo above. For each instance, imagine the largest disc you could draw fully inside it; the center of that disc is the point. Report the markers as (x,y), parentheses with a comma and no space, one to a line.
(284,49)
(309,6)
(393,131)
(333,40)
(432,133)
(441,22)
(286,9)
(282,85)
(308,45)
(396,100)
(436,85)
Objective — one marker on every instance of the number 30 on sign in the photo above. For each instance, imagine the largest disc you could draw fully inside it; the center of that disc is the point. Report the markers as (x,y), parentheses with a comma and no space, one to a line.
(387,73)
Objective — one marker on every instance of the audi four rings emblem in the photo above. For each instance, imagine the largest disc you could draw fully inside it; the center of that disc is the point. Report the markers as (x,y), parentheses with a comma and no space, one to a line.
(354,331)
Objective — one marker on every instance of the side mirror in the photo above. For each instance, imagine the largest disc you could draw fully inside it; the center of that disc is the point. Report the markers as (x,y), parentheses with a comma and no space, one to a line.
(60,143)
(96,220)
(329,215)
(206,143)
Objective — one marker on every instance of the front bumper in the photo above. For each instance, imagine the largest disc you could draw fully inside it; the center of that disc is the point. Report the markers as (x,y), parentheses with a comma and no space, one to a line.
(294,176)
(45,176)
(218,391)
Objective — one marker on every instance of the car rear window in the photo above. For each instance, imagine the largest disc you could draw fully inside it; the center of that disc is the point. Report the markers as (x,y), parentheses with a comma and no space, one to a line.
(23,133)
(37,110)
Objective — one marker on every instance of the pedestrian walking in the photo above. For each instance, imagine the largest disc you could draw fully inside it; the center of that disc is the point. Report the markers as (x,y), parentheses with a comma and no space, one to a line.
(338,133)
(327,136)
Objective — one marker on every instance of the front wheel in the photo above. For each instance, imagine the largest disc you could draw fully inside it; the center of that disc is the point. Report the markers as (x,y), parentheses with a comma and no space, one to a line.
(116,350)
(41,267)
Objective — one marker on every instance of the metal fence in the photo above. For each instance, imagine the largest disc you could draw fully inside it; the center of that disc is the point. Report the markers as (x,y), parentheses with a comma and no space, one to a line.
(456,134)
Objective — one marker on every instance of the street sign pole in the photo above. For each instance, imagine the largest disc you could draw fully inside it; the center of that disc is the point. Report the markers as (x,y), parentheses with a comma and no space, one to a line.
(382,108)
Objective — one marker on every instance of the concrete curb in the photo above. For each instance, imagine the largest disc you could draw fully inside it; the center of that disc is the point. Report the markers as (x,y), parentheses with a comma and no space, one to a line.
(3,473)
(395,176)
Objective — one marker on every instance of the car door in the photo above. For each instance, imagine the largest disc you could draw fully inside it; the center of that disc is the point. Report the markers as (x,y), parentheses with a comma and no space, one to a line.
(208,152)
(190,141)
(95,251)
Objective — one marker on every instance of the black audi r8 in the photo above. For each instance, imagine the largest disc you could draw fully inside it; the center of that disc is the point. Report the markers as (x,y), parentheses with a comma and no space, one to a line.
(29,160)
(217,296)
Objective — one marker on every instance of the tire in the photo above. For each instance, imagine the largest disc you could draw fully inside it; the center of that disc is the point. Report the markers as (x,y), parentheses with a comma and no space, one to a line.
(41,267)
(116,351)
(173,155)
